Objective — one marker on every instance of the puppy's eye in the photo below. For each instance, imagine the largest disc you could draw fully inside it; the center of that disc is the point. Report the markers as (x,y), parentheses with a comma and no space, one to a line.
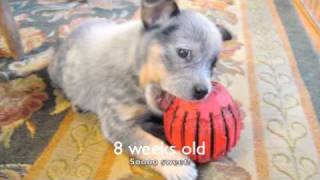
(184,53)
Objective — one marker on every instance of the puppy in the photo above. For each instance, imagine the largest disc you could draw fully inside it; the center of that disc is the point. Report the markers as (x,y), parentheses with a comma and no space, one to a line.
(123,72)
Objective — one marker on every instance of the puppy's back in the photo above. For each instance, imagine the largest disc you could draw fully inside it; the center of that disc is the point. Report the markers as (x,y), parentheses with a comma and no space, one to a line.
(95,54)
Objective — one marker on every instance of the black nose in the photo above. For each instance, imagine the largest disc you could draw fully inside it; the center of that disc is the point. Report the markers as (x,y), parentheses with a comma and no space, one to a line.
(200,92)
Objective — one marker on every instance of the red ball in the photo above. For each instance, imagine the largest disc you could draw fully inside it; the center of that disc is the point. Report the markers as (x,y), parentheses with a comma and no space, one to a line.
(214,122)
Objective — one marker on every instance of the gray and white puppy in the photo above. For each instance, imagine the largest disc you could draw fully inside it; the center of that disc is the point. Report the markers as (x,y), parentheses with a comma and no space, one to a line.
(120,72)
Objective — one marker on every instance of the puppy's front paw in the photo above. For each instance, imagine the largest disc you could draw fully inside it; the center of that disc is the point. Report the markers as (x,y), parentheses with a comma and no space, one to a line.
(180,172)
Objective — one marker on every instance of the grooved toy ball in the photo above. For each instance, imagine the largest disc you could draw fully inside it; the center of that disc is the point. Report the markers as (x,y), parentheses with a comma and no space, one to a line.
(214,122)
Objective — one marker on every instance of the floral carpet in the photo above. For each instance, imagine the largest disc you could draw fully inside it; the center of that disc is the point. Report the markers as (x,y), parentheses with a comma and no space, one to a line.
(42,138)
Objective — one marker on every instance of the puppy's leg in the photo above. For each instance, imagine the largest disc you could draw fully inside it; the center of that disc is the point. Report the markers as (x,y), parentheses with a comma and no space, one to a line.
(121,126)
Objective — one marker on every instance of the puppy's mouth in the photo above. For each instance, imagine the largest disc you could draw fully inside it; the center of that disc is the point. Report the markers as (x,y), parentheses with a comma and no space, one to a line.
(164,100)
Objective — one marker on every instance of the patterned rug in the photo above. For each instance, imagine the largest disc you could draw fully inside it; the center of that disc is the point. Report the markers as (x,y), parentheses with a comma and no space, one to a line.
(270,67)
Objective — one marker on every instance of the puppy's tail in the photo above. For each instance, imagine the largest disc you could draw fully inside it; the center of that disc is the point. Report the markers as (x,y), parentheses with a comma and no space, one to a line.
(28,66)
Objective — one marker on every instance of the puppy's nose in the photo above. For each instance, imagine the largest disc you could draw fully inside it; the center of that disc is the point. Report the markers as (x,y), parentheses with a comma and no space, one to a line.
(200,92)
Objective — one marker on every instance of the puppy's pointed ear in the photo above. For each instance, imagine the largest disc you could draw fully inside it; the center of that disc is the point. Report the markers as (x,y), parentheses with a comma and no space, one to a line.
(226,35)
(156,12)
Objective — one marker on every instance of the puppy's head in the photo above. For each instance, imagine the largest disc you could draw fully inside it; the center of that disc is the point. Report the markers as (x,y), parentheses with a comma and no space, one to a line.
(181,50)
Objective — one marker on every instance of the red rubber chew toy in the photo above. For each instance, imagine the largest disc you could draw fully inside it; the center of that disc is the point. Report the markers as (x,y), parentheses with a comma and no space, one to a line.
(214,122)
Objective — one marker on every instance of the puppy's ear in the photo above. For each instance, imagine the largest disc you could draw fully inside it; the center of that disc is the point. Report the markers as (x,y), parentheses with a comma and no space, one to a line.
(156,12)
(226,35)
